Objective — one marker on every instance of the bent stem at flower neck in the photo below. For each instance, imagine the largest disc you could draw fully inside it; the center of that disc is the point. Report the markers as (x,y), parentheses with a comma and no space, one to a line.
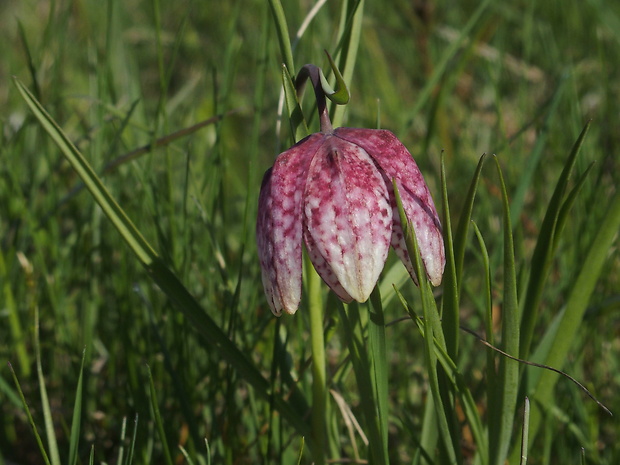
(313,73)
(322,89)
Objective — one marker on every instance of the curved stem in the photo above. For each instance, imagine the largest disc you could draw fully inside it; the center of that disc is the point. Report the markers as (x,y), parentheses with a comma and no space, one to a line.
(313,73)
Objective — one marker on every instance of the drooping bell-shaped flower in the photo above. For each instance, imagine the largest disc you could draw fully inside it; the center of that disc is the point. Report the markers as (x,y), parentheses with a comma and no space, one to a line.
(333,191)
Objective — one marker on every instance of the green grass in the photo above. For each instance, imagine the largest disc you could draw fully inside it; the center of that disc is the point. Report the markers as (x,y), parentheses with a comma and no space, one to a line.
(133,325)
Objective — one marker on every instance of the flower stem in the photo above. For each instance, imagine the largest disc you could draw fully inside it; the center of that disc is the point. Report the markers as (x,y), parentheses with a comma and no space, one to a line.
(319,382)
(313,73)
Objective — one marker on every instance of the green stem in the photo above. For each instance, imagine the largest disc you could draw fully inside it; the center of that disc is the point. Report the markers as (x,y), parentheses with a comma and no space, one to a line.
(319,382)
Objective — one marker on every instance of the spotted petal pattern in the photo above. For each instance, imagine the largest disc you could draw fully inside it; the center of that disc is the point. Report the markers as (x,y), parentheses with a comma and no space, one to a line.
(395,162)
(347,218)
(279,226)
(334,190)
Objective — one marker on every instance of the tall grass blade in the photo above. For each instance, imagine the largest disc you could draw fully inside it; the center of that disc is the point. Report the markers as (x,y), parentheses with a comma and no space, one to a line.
(502,417)
(132,445)
(573,313)
(33,425)
(450,300)
(77,417)
(167,281)
(113,211)
(121,449)
(299,127)
(525,178)
(350,27)
(431,329)
(491,388)
(50,431)
(525,432)
(360,362)
(457,382)
(460,238)
(283,34)
(158,421)
(543,252)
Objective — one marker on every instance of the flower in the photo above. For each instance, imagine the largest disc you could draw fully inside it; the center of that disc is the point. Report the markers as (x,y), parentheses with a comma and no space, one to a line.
(333,190)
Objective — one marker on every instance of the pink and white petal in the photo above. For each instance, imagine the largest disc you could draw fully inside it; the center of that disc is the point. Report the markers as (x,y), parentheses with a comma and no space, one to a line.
(279,225)
(323,269)
(395,162)
(347,214)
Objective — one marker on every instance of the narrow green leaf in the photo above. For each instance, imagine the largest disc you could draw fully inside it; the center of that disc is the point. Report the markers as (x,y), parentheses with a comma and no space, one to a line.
(31,67)
(283,34)
(299,127)
(491,386)
(113,211)
(458,383)
(301,452)
(502,417)
(542,256)
(168,282)
(341,95)
(360,362)
(450,300)
(349,34)
(132,445)
(158,421)
(460,241)
(77,417)
(432,329)
(121,449)
(573,314)
(526,177)
(50,431)
(525,432)
(563,215)
(29,415)
(188,459)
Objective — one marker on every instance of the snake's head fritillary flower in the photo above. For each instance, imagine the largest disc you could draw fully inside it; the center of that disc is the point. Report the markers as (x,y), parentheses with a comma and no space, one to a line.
(333,191)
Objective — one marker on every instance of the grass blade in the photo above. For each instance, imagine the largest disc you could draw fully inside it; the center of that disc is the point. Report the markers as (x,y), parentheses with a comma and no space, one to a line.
(460,241)
(541,259)
(525,432)
(575,307)
(450,300)
(360,361)
(283,34)
(129,459)
(77,416)
(158,420)
(168,282)
(431,329)
(502,417)
(50,431)
(350,29)
(299,127)
(33,425)
(518,198)
(113,211)
(458,383)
